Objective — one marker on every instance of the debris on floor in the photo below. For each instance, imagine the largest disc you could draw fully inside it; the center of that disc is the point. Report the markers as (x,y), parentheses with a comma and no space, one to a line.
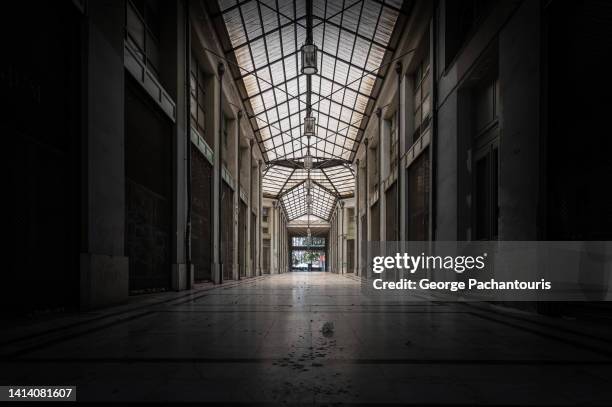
(328,329)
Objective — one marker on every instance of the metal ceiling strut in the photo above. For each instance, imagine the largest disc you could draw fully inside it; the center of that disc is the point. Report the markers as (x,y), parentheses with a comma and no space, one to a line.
(354,41)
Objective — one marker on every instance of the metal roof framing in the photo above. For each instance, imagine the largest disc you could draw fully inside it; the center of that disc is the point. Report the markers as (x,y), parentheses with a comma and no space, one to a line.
(355,39)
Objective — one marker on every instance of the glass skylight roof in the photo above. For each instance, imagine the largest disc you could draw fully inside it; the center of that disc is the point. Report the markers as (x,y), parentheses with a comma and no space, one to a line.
(353,38)
(294,202)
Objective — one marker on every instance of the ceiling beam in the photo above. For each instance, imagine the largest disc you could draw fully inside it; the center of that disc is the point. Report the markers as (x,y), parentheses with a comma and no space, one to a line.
(279,14)
(336,14)
(363,37)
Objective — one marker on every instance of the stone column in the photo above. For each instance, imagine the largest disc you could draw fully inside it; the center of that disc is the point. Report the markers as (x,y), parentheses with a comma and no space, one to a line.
(217,272)
(382,174)
(342,238)
(103,266)
(273,227)
(249,259)
(401,148)
(367,190)
(175,45)
(235,164)
(357,220)
(259,212)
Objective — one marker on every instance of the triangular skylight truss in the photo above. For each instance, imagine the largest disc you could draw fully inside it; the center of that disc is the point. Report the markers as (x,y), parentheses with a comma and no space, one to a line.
(295,205)
(355,39)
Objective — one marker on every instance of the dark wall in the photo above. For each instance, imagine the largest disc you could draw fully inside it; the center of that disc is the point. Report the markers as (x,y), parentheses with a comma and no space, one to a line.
(392,226)
(579,145)
(40,83)
(148,164)
(375,222)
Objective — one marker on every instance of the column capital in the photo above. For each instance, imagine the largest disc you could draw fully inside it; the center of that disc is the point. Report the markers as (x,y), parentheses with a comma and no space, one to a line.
(378,112)
(398,67)
(221,69)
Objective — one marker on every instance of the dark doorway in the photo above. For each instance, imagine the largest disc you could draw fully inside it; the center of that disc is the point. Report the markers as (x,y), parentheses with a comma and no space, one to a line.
(253,243)
(148,170)
(364,241)
(227,231)
(375,223)
(242,237)
(418,198)
(485,139)
(350,255)
(266,256)
(391,223)
(201,234)
(485,192)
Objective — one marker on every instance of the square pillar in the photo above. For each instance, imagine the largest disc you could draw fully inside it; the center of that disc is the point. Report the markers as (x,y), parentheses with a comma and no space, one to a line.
(382,174)
(214,125)
(234,163)
(259,212)
(104,270)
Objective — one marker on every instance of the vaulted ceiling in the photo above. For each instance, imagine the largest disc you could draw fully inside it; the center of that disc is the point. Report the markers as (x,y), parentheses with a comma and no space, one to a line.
(355,39)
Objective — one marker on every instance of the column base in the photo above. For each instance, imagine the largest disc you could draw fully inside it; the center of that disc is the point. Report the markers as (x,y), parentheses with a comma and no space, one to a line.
(104,280)
(217,271)
(180,276)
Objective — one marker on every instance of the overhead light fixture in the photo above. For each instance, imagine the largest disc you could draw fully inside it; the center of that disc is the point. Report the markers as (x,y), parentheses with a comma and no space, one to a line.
(309,59)
(309,126)
(308,161)
(308,184)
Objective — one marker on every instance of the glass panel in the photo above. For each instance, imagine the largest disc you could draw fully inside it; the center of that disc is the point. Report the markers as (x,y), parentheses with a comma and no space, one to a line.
(277,92)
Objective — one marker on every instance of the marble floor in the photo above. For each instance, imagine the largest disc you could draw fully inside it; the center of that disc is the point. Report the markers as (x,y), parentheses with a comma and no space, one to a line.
(311,338)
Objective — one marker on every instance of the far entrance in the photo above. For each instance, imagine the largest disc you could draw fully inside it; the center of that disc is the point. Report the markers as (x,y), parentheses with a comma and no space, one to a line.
(308,253)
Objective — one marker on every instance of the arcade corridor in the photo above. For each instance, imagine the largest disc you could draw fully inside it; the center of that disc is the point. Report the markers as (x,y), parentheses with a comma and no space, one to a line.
(264,340)
(195,189)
